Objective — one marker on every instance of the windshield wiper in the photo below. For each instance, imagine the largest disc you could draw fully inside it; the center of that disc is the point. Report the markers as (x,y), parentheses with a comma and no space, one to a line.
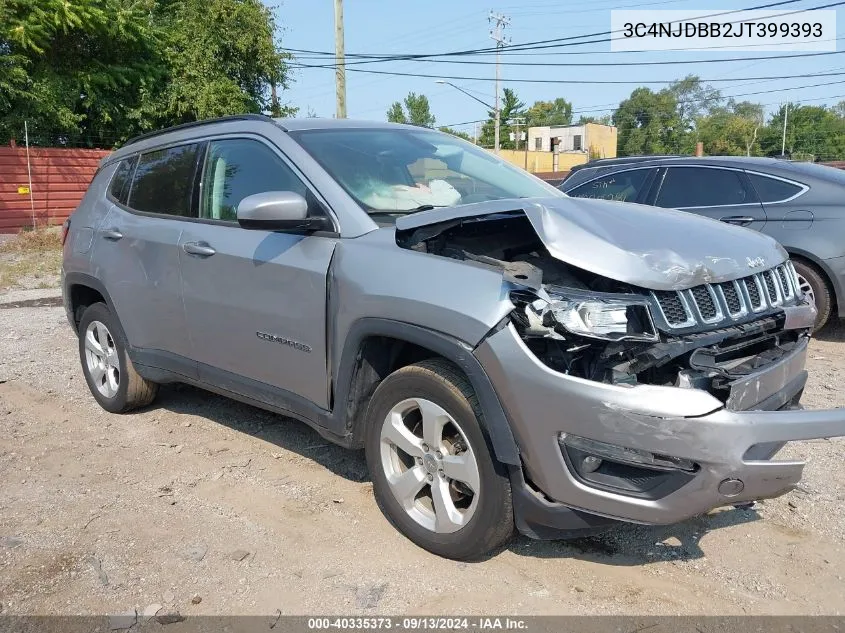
(422,207)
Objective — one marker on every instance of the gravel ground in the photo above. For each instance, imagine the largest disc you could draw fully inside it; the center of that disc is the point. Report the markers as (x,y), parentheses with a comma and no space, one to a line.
(207,506)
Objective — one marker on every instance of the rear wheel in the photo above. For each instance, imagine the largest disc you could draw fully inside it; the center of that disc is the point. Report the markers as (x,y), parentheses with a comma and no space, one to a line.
(109,372)
(813,284)
(431,463)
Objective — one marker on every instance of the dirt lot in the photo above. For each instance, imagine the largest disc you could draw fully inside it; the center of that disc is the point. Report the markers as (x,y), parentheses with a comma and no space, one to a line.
(201,498)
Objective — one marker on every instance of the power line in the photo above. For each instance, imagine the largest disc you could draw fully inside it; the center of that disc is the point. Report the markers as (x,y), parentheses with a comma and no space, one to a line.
(635,63)
(572,81)
(558,42)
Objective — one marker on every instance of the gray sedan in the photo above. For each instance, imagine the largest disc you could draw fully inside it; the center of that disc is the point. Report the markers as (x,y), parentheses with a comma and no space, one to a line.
(801,205)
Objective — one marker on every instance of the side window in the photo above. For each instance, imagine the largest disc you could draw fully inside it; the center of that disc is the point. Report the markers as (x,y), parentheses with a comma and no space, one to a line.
(771,189)
(237,168)
(702,187)
(623,186)
(119,187)
(164,180)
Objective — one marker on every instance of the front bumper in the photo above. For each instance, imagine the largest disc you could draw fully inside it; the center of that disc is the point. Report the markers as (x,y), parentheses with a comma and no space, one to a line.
(684,423)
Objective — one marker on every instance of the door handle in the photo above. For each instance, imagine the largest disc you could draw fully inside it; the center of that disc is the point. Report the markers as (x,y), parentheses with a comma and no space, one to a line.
(198,248)
(740,220)
(112,234)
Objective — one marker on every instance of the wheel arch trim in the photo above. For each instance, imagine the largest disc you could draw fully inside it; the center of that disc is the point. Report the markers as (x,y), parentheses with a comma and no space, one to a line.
(453,350)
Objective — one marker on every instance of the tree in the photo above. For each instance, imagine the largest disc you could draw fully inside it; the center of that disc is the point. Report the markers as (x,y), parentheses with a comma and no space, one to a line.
(694,100)
(648,123)
(396,114)
(416,111)
(814,132)
(544,113)
(732,129)
(74,67)
(221,58)
(510,108)
(94,72)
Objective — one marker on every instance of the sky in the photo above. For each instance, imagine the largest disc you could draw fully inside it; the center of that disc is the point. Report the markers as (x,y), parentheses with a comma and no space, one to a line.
(400,27)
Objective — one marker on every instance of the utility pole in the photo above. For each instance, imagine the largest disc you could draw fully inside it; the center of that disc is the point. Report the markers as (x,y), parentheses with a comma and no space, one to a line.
(783,142)
(340,65)
(496,34)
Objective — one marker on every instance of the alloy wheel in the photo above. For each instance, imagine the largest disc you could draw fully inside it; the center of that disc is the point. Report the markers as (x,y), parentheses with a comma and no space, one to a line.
(806,289)
(429,465)
(101,357)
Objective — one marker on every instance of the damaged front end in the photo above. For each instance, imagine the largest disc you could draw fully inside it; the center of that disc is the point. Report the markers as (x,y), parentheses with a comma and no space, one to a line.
(710,336)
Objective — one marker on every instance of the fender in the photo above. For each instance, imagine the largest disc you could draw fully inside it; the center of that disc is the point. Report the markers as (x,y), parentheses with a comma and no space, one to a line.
(82,279)
(454,350)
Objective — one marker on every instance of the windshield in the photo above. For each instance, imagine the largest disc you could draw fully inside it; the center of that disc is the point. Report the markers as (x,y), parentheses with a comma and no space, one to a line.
(396,171)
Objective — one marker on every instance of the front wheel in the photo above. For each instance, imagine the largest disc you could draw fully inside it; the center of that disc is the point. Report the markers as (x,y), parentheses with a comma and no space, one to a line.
(814,286)
(431,463)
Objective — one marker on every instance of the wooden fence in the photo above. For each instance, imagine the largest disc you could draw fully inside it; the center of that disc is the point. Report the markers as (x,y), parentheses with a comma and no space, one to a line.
(59,180)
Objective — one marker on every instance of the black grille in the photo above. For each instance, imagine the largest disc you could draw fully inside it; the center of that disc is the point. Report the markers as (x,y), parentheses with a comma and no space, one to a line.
(731,298)
(753,292)
(705,302)
(672,307)
(769,280)
(783,281)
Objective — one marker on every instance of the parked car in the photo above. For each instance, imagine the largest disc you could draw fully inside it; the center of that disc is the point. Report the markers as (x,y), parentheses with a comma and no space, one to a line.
(798,204)
(506,356)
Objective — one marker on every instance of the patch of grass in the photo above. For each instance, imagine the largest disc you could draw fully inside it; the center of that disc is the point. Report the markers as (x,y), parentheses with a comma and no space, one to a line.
(32,259)
(37,240)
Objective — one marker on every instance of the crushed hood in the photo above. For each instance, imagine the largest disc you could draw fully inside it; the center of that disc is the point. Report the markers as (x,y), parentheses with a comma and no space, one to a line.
(659,249)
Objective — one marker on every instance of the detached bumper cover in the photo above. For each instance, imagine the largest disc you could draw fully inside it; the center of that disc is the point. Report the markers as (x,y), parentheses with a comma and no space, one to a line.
(686,423)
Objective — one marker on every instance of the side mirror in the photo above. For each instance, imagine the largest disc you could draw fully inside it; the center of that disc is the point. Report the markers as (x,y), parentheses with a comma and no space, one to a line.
(278,211)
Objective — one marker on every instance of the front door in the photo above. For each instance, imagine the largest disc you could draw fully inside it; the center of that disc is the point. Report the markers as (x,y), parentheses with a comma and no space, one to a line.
(255,300)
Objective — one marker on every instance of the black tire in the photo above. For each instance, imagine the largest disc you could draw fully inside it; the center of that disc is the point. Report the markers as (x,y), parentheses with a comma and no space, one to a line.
(133,391)
(491,524)
(821,290)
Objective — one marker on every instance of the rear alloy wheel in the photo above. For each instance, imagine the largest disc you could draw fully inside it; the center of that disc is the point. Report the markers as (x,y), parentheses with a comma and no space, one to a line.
(431,462)
(108,370)
(815,288)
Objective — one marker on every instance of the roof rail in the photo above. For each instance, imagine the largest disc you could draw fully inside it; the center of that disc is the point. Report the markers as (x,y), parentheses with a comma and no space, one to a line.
(185,126)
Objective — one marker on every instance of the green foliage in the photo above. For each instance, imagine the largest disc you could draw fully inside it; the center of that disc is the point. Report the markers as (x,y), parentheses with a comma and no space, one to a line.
(416,111)
(94,72)
(648,123)
(509,108)
(544,113)
(606,119)
(815,131)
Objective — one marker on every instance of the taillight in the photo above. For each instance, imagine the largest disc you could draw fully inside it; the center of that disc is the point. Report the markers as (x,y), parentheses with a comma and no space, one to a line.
(65,229)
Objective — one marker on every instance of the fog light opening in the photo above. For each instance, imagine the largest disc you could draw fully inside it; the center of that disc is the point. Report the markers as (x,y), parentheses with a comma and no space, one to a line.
(601,451)
(731,487)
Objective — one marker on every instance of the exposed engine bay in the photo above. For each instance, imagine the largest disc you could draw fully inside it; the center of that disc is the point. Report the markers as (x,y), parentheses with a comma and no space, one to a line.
(587,325)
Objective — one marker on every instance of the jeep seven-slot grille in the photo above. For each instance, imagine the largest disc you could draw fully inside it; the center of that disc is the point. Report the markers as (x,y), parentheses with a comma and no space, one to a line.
(726,301)
(672,306)
(705,303)
(731,297)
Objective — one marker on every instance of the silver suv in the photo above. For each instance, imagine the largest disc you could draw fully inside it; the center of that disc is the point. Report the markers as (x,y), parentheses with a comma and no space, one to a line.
(507,356)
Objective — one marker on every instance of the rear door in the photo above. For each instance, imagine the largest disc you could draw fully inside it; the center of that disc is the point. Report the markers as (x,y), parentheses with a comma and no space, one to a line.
(136,247)
(719,193)
(255,300)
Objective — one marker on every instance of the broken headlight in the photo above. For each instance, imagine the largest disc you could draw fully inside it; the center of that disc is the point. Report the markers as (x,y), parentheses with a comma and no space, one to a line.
(606,317)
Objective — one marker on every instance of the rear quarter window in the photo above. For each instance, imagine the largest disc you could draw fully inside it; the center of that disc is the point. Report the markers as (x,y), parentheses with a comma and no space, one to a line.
(772,189)
(119,187)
